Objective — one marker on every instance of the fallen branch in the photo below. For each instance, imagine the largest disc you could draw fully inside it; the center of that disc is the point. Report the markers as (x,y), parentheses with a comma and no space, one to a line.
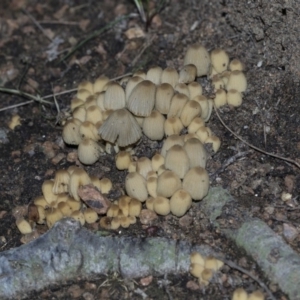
(68,251)
(279,262)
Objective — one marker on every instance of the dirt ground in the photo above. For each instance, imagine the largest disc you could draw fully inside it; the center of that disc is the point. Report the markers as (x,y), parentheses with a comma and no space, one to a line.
(34,37)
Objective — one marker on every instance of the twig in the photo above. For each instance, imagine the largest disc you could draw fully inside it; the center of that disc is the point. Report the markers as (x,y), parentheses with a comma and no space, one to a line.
(254,147)
(20,93)
(230,161)
(232,265)
(16,105)
(37,24)
(145,46)
(59,22)
(94,34)
(41,99)
(75,89)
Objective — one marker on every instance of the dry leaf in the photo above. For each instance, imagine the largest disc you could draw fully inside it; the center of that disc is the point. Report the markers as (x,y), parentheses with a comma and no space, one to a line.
(94,199)
(133,33)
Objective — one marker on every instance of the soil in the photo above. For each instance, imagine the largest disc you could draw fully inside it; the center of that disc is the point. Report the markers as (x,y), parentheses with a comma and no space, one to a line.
(35,37)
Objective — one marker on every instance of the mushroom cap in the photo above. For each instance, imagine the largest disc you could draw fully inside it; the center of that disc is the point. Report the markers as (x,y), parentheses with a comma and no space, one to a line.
(142,98)
(239,294)
(153,126)
(177,160)
(195,89)
(219,60)
(120,127)
(180,202)
(170,75)
(196,182)
(114,97)
(89,151)
(196,54)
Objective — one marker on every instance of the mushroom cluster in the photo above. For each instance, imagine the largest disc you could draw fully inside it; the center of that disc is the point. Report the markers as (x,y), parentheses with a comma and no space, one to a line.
(204,268)
(241,294)
(60,198)
(228,79)
(170,180)
(158,103)
(163,104)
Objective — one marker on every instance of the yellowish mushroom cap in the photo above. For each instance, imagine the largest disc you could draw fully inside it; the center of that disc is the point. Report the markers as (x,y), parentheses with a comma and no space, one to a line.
(196,182)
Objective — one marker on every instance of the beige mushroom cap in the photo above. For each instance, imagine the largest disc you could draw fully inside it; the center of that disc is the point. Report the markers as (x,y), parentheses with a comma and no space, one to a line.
(120,127)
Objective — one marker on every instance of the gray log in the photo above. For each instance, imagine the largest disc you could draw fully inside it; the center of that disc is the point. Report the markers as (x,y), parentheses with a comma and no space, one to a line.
(279,262)
(68,251)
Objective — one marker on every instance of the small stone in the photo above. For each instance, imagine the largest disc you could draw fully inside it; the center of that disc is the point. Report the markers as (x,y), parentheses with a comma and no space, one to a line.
(192,285)
(56,159)
(72,157)
(286,196)
(185,221)
(88,296)
(147,216)
(269,210)
(289,232)
(75,291)
(146,280)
